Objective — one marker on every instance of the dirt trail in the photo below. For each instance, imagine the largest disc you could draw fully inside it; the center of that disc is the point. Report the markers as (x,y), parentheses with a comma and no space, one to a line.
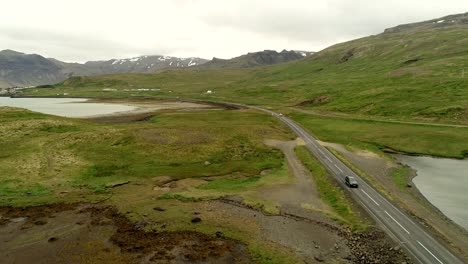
(311,239)
(300,197)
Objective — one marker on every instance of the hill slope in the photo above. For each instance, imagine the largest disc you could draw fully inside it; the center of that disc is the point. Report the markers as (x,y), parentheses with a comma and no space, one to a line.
(412,71)
(19,69)
(255,59)
(25,69)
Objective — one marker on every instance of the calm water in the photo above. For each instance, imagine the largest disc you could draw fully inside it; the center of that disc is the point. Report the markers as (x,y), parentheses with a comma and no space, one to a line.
(444,182)
(68,107)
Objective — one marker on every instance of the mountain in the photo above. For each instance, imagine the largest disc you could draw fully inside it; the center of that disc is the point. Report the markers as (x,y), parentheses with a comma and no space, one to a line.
(19,69)
(27,69)
(255,59)
(411,71)
(141,64)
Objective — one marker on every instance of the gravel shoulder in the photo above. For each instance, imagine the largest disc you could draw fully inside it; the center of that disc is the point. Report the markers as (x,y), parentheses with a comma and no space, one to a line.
(302,193)
(411,199)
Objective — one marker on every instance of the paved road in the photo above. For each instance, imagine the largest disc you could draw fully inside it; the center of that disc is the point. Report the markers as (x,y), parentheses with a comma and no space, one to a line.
(422,246)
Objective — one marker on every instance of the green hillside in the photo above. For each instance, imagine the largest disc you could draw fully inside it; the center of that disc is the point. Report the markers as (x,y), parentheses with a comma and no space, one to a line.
(411,71)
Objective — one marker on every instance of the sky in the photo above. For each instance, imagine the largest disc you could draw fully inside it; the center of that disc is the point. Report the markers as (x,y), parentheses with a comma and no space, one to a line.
(83,30)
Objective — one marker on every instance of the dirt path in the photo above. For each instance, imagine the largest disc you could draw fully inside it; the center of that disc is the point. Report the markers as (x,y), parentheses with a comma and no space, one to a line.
(309,239)
(293,198)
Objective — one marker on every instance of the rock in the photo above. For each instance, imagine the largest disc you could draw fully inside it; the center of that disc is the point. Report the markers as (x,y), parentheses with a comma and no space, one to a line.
(18,219)
(207,163)
(52,239)
(219,234)
(196,220)
(157,208)
(162,189)
(117,184)
(409,185)
(40,222)
(141,224)
(319,258)
(161,180)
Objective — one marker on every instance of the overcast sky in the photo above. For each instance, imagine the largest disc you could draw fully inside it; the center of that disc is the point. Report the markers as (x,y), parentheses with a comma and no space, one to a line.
(82,30)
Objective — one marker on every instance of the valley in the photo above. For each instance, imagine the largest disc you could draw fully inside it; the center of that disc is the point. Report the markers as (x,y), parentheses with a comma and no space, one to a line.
(160,159)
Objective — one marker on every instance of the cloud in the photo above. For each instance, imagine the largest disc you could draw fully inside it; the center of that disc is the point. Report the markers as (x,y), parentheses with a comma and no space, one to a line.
(96,30)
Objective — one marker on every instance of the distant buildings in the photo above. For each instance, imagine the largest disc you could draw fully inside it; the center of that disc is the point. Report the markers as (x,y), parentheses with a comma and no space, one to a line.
(8,91)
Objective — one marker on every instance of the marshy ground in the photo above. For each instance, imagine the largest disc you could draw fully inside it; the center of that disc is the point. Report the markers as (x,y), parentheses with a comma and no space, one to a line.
(177,186)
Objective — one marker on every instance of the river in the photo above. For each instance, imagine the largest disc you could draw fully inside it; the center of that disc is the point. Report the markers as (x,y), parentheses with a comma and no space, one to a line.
(444,182)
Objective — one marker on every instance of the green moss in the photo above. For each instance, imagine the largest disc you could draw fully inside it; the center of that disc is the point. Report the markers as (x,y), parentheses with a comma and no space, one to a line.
(180,197)
(399,176)
(230,184)
(331,193)
(263,256)
(60,129)
(93,157)
(369,134)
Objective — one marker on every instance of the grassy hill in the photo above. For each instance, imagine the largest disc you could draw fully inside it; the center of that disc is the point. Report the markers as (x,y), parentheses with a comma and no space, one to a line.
(255,59)
(412,71)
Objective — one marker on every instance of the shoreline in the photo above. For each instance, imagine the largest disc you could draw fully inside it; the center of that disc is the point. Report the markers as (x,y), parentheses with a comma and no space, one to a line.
(410,199)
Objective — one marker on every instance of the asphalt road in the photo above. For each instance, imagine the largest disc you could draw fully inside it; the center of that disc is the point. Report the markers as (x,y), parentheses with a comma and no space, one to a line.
(411,236)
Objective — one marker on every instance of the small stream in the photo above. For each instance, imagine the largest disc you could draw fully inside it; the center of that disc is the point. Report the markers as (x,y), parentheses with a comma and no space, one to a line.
(66,107)
(444,182)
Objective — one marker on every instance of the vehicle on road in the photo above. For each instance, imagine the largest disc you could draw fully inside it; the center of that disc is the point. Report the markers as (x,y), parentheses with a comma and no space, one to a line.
(351,182)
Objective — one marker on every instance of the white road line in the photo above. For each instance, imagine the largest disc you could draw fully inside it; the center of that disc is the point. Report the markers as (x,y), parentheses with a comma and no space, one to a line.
(328,158)
(396,222)
(429,252)
(370,197)
(338,168)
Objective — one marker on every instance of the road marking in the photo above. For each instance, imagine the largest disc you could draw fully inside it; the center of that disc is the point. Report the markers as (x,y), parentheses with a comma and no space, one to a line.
(338,168)
(328,158)
(396,222)
(429,252)
(315,146)
(370,197)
